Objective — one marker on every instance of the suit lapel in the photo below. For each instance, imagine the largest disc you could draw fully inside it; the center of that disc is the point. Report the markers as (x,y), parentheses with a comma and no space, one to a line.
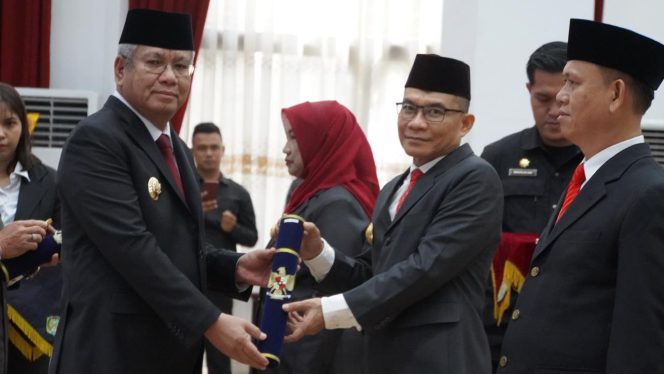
(382,215)
(428,180)
(30,195)
(591,194)
(141,136)
(188,175)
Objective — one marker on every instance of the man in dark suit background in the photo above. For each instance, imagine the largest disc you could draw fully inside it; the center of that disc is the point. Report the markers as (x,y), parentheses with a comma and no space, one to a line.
(593,300)
(534,165)
(229,217)
(133,257)
(418,289)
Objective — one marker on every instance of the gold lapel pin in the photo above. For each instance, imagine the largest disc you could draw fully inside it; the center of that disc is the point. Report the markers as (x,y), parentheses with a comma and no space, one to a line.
(368,233)
(524,163)
(154,188)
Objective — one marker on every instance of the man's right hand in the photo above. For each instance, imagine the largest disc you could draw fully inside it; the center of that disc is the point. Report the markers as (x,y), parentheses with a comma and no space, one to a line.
(232,336)
(19,237)
(312,244)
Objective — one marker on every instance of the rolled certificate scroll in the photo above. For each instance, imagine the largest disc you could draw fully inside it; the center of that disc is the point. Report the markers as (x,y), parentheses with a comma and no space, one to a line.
(280,286)
(15,268)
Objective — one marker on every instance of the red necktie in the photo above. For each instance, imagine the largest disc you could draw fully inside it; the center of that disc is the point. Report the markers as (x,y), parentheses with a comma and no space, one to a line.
(414,177)
(573,189)
(164,144)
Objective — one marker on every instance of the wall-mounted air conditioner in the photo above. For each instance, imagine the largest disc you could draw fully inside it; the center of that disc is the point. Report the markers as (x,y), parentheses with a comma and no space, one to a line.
(59,113)
(653,131)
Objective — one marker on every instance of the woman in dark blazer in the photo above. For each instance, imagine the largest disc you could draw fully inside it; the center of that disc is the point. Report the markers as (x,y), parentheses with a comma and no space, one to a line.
(28,192)
(326,149)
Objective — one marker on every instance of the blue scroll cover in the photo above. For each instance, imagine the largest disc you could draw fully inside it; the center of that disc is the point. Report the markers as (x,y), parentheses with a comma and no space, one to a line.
(280,286)
(15,268)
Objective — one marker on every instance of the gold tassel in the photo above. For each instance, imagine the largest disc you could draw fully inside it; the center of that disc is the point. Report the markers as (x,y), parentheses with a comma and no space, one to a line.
(5,272)
(28,350)
(512,280)
(40,344)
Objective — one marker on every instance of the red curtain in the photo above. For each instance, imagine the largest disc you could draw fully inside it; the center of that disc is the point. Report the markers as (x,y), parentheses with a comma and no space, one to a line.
(599,10)
(198,10)
(25,42)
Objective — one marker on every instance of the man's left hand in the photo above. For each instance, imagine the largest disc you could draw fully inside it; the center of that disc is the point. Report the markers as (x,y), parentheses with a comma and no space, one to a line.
(305,318)
(254,267)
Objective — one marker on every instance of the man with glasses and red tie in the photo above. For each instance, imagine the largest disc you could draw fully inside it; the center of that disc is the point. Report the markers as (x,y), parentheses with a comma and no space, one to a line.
(593,301)
(134,260)
(418,288)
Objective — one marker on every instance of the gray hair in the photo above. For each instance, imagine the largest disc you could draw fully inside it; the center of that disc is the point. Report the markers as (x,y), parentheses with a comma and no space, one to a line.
(127,51)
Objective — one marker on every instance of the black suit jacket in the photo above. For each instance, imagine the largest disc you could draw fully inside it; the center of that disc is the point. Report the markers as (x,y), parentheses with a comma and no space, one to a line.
(134,267)
(419,289)
(593,302)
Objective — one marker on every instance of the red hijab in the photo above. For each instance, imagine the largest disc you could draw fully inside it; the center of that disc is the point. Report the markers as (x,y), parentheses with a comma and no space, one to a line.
(334,151)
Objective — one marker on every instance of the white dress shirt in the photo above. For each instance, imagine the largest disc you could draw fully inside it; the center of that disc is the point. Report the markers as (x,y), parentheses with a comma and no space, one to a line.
(9,193)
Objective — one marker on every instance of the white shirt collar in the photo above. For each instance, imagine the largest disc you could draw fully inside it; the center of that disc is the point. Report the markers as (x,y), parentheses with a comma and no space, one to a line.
(154,131)
(591,165)
(20,171)
(426,167)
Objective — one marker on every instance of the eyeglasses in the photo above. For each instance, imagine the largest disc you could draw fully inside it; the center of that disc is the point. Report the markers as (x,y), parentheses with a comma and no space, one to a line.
(433,114)
(158,67)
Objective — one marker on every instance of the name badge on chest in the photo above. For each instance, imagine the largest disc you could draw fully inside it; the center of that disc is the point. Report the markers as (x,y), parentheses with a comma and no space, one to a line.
(516,172)
(522,170)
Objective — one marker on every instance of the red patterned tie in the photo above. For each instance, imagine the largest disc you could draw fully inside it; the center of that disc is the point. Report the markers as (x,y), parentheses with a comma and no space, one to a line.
(578,178)
(164,144)
(414,177)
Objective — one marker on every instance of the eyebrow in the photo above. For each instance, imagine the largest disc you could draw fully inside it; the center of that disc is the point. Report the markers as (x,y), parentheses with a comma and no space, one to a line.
(185,58)
(162,56)
(567,74)
(11,116)
(431,105)
(154,54)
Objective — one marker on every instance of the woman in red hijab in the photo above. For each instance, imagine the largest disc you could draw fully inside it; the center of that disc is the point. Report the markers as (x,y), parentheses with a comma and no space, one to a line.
(326,149)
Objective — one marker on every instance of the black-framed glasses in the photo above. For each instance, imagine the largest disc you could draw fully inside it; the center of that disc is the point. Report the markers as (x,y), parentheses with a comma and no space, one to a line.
(158,67)
(407,111)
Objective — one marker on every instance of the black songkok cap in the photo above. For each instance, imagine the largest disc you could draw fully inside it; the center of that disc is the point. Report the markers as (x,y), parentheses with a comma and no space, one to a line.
(617,48)
(440,74)
(158,29)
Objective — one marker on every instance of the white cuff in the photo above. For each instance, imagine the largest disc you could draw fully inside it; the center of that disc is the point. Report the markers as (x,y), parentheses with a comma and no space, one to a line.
(241,287)
(320,265)
(337,314)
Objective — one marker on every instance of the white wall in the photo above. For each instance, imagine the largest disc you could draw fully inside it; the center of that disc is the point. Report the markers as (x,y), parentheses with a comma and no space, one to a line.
(84,40)
(496,38)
